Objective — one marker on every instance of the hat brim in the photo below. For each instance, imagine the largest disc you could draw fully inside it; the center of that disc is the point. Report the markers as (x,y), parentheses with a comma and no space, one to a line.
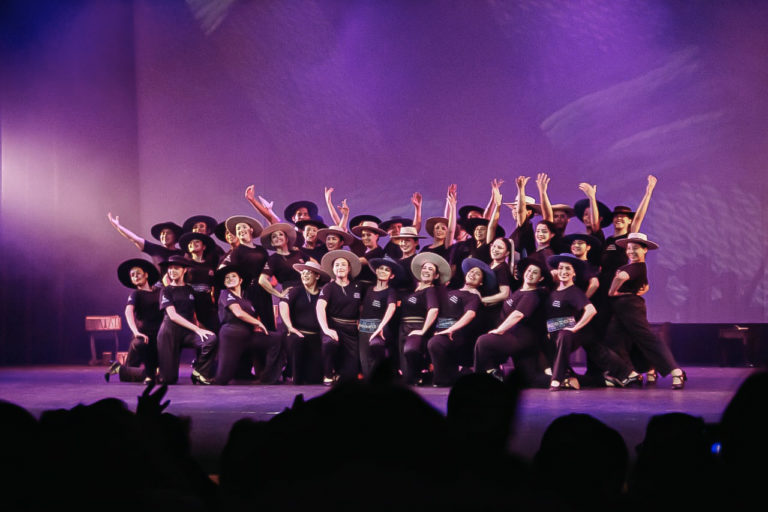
(311,222)
(291,209)
(397,220)
(299,267)
(188,237)
(356,220)
(209,221)
(489,276)
(220,274)
(603,211)
(124,271)
(397,269)
(429,226)
(354,262)
(589,239)
(443,267)
(554,261)
(322,234)
(158,228)
(358,231)
(623,242)
(232,222)
(266,235)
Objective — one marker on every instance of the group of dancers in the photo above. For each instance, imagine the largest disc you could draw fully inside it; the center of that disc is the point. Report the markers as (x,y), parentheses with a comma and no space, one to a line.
(465,298)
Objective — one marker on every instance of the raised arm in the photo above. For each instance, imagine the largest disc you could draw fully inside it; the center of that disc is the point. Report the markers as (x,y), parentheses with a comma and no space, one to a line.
(490,233)
(594,219)
(130,235)
(329,204)
(450,203)
(522,207)
(489,207)
(643,208)
(416,202)
(344,215)
(542,182)
(267,213)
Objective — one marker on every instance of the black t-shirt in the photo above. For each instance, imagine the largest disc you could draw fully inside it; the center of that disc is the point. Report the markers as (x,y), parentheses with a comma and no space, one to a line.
(612,258)
(302,306)
(146,310)
(542,256)
(393,250)
(181,298)
(252,259)
(343,301)
(524,239)
(281,267)
(583,278)
(376,302)
(454,303)
(638,277)
(366,274)
(160,253)
(418,303)
(199,273)
(568,302)
(528,303)
(226,317)
(315,254)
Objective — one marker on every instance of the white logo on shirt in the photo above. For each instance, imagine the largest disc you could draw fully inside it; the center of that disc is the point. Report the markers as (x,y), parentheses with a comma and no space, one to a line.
(412,300)
(376,303)
(555,303)
(356,295)
(509,302)
(230,298)
(454,299)
(191,297)
(165,300)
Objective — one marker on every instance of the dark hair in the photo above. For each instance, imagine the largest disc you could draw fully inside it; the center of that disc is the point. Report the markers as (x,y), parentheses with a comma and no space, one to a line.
(549,225)
(507,244)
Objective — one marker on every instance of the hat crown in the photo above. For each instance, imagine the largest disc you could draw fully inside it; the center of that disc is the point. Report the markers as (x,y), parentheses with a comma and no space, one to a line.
(408,230)
(368,224)
(637,236)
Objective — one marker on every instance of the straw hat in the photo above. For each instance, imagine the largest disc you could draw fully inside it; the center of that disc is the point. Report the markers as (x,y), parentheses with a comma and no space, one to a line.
(443,268)
(266,234)
(637,238)
(244,219)
(331,256)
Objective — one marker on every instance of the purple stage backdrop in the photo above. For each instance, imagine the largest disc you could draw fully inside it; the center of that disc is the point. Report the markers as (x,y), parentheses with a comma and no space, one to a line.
(161,110)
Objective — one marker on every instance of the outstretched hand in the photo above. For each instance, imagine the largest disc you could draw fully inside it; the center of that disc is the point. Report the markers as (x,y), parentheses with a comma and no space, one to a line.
(151,404)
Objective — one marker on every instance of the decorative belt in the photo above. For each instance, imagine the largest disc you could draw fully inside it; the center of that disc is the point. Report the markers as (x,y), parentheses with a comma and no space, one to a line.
(344,321)
(368,325)
(201,288)
(445,323)
(309,333)
(412,319)
(560,323)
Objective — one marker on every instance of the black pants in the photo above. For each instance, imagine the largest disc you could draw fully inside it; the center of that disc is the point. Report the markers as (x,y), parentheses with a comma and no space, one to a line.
(413,351)
(236,341)
(604,358)
(520,343)
(342,357)
(141,361)
(171,339)
(305,358)
(629,329)
(372,350)
(447,354)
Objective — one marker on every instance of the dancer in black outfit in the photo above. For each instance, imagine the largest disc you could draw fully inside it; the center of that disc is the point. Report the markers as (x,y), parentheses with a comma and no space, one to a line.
(143,316)
(378,309)
(298,311)
(338,312)
(629,323)
(202,263)
(167,233)
(242,333)
(179,329)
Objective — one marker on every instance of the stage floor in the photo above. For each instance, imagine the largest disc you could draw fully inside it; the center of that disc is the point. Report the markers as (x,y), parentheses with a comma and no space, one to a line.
(214,409)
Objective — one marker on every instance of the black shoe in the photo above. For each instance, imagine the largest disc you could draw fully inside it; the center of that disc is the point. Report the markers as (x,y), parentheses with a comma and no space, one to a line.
(113,370)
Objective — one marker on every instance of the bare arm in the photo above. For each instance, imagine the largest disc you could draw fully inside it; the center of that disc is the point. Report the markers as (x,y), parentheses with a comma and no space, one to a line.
(467,317)
(245,317)
(594,284)
(512,319)
(323,320)
(416,202)
(250,195)
(428,321)
(266,283)
(130,319)
(618,280)
(594,219)
(130,235)
(497,297)
(285,315)
(329,203)
(490,233)
(643,208)
(388,314)
(180,320)
(522,208)
(495,184)
(450,205)
(542,182)
(589,313)
(344,215)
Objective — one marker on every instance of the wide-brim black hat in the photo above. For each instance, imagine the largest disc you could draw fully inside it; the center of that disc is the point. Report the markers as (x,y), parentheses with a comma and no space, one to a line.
(157,228)
(576,262)
(233,221)
(397,269)
(471,224)
(523,265)
(624,210)
(317,222)
(395,220)
(124,271)
(466,209)
(220,274)
(358,219)
(443,267)
(591,241)
(489,276)
(602,211)
(266,235)
(221,231)
(188,237)
(174,260)
(190,222)
(354,262)
(290,210)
